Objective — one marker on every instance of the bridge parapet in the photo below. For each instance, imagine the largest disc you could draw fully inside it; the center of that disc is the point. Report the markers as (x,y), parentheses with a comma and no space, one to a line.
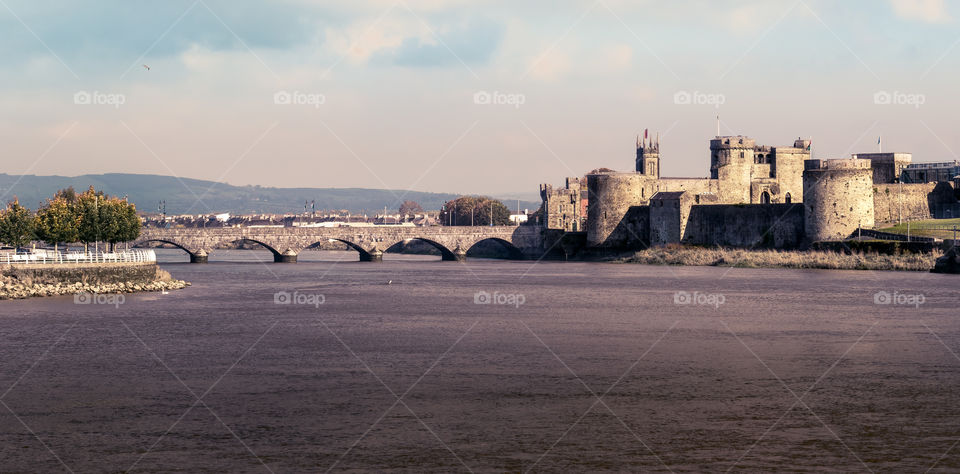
(286,242)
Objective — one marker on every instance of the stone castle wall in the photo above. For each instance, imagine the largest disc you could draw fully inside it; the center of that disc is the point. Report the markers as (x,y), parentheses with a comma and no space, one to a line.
(754,225)
(913,201)
(690,185)
(667,219)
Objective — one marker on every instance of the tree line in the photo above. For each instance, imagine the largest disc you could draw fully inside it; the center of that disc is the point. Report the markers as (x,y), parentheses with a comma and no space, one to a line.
(474,210)
(68,217)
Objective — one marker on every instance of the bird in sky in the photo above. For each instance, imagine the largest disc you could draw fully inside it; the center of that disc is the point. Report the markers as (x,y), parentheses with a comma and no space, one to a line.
(146,67)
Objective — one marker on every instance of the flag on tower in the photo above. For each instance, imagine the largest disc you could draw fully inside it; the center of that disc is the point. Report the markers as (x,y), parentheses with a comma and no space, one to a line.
(645,134)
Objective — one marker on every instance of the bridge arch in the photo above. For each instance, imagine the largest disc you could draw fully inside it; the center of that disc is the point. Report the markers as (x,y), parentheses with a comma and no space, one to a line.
(277,256)
(445,253)
(513,253)
(141,243)
(365,256)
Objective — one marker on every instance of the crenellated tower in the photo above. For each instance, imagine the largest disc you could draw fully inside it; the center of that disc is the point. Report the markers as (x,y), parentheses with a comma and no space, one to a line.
(731,162)
(648,156)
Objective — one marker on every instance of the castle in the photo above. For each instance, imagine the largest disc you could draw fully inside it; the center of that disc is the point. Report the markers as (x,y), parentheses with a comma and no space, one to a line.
(756,195)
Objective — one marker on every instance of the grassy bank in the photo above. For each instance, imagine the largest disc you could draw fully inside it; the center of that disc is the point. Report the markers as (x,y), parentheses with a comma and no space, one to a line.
(939,228)
(720,257)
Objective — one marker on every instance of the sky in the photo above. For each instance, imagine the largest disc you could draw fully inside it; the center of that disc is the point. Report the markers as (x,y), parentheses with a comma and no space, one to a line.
(480,97)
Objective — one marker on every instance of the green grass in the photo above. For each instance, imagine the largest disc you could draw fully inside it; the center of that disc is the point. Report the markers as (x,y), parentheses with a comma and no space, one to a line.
(922,228)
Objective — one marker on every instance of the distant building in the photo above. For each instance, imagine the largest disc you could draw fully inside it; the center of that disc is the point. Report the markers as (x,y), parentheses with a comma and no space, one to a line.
(887,167)
(518,219)
(942,172)
(565,208)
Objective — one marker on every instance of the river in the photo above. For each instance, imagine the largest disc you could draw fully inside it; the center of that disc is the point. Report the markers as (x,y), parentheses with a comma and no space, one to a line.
(488,365)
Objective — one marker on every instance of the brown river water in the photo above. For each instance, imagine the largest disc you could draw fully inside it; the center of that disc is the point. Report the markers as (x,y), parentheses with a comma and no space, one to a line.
(415,364)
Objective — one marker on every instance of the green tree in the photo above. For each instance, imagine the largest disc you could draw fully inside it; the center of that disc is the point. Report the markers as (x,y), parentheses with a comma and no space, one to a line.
(16,225)
(122,221)
(474,210)
(93,223)
(57,222)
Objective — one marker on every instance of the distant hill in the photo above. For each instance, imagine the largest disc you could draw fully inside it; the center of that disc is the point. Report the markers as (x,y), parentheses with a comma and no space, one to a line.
(180,194)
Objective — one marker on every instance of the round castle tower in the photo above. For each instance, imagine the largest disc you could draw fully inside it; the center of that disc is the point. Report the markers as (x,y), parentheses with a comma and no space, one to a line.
(611,195)
(837,197)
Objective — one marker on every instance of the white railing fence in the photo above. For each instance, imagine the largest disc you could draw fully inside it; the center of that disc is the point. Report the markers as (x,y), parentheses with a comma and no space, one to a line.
(49,256)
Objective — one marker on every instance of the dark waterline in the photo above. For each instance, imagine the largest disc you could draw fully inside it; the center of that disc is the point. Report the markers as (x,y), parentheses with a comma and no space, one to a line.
(485,387)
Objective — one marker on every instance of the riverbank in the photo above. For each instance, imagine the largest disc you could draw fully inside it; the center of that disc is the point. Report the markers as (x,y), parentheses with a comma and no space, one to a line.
(745,258)
(18,282)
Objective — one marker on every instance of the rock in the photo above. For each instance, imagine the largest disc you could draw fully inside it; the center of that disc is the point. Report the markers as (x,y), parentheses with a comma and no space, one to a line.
(949,263)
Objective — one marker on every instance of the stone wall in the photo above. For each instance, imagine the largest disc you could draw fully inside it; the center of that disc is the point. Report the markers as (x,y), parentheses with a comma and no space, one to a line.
(752,225)
(562,207)
(788,170)
(913,201)
(837,197)
(668,217)
(690,185)
(89,273)
(611,196)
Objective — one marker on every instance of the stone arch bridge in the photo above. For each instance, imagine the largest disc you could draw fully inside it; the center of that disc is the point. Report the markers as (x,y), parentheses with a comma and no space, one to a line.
(286,243)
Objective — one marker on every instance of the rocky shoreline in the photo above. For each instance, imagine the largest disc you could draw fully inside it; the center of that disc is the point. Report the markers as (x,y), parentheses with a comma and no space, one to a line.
(14,286)
(10,290)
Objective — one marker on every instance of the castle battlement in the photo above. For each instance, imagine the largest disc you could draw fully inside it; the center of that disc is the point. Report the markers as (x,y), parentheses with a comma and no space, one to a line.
(837,164)
(738,141)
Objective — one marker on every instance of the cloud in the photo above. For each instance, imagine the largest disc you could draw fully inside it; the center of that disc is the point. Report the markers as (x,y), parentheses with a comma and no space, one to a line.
(550,66)
(929,11)
(405,40)
(474,43)
(364,39)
